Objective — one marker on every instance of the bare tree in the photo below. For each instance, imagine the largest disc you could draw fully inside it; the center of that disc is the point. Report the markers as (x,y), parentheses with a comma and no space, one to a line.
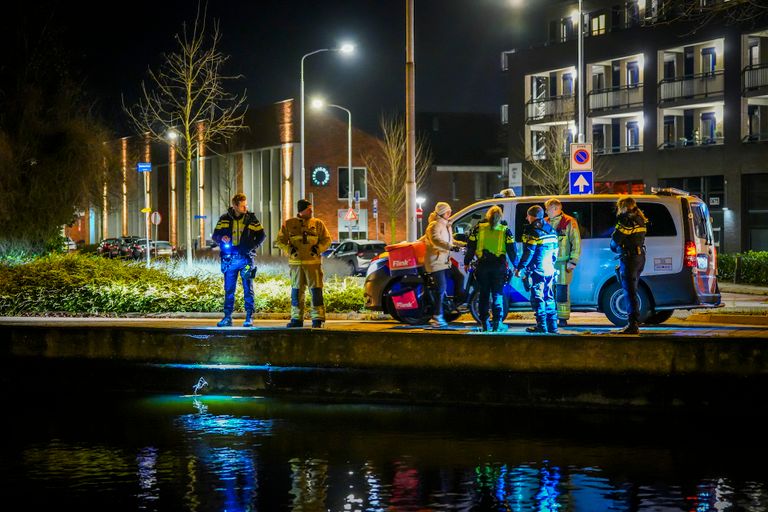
(700,13)
(549,172)
(388,170)
(187,94)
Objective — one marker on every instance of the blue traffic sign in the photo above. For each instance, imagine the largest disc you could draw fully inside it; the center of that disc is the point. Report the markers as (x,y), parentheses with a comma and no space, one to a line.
(201,216)
(581,182)
(144,167)
(581,156)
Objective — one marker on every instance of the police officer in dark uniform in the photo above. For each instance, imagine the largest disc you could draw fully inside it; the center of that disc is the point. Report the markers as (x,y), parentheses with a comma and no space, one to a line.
(238,234)
(628,240)
(538,259)
(493,242)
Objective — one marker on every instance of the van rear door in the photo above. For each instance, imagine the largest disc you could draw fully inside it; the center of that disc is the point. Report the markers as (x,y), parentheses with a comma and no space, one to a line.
(701,254)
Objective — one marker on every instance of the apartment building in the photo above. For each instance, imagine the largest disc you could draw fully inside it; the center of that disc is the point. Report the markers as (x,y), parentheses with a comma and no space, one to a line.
(668,102)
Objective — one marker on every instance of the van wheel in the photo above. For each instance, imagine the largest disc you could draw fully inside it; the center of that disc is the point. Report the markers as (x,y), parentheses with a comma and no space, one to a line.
(418,316)
(474,306)
(614,306)
(659,317)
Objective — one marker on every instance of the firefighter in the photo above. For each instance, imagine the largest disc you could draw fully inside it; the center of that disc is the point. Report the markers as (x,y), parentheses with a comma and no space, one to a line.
(628,240)
(238,234)
(493,242)
(538,260)
(304,238)
(569,250)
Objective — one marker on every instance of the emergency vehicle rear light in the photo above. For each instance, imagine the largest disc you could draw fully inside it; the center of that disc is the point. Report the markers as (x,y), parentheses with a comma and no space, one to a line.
(689,257)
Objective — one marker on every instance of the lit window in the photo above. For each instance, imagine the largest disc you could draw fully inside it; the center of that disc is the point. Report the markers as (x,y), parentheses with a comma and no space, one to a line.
(598,25)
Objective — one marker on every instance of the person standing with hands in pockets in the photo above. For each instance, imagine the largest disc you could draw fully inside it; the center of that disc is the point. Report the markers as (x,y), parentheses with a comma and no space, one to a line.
(628,240)
(304,238)
(569,251)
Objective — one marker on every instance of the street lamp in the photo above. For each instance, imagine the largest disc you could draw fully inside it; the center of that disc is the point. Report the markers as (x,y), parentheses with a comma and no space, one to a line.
(346,49)
(318,103)
(580,74)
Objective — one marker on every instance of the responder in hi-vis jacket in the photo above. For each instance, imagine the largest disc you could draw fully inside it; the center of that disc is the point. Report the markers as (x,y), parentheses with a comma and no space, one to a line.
(305,238)
(493,243)
(238,234)
(628,240)
(569,250)
(538,260)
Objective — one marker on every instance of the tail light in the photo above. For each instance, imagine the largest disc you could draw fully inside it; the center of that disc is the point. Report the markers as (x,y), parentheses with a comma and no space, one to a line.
(689,257)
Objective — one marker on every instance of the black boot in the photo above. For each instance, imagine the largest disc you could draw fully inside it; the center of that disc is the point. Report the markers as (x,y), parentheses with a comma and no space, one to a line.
(540,327)
(317,324)
(248,320)
(631,328)
(552,325)
(295,322)
(225,322)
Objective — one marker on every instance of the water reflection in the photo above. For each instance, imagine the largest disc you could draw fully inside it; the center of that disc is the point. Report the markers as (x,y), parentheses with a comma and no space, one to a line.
(211,453)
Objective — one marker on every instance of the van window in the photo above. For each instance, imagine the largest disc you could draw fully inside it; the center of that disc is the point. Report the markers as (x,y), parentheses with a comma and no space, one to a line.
(660,221)
(464,224)
(701,225)
(582,212)
(520,218)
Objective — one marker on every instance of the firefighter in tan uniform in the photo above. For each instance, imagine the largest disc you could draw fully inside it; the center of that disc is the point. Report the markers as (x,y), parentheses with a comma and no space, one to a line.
(569,251)
(305,238)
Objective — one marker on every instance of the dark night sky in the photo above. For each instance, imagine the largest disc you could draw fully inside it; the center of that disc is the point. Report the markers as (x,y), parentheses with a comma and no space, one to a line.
(457,50)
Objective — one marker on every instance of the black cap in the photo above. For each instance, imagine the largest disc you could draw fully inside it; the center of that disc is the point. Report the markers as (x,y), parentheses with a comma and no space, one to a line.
(302,205)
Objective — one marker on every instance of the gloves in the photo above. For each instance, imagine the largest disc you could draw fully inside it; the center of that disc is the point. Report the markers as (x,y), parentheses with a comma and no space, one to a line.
(315,251)
(252,272)
(294,251)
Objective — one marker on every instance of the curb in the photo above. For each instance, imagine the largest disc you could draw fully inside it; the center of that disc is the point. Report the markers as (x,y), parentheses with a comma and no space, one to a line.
(742,288)
(760,320)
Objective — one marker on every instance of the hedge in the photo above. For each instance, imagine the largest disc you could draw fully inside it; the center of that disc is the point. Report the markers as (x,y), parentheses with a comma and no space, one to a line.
(748,268)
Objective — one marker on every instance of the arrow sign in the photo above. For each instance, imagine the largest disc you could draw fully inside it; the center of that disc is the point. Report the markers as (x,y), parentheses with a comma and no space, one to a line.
(581,182)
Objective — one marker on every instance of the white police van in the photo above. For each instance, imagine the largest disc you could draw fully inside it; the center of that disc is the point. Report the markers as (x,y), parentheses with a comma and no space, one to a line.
(681,262)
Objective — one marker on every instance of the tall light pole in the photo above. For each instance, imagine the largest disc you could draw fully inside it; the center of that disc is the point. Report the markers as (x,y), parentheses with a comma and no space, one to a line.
(580,74)
(345,49)
(318,104)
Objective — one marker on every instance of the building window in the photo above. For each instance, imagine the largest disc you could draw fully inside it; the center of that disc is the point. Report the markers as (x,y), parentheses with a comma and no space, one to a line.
(753,119)
(708,124)
(633,136)
(597,25)
(566,29)
(538,146)
(598,138)
(567,84)
(708,60)
(633,73)
(504,114)
(598,81)
(670,134)
(361,184)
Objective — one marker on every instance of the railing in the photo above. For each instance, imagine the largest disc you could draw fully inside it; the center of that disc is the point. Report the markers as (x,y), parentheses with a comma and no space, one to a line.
(755,137)
(682,142)
(626,96)
(549,109)
(703,85)
(754,77)
(608,150)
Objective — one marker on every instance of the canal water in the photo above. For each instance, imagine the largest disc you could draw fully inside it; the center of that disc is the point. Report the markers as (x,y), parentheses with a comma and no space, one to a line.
(62,451)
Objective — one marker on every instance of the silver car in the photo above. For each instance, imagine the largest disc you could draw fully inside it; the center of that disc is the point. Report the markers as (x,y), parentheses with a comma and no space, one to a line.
(357,254)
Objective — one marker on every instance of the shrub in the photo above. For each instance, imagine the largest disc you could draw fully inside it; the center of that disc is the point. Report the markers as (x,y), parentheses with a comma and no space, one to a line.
(750,267)
(84,284)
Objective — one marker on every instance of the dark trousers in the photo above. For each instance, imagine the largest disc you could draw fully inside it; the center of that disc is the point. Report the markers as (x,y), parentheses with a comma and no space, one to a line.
(437,289)
(630,268)
(231,267)
(543,299)
(491,274)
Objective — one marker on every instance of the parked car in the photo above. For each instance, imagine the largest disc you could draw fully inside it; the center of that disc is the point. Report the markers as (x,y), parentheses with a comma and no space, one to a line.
(126,246)
(138,248)
(333,247)
(680,268)
(357,254)
(109,248)
(162,249)
(69,245)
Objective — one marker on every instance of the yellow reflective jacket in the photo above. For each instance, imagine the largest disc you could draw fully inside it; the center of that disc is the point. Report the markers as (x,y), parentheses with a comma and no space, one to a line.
(304,240)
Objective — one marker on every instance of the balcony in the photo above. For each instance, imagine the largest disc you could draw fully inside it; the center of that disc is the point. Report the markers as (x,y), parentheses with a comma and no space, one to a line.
(682,142)
(611,150)
(709,86)
(754,79)
(755,137)
(550,110)
(627,97)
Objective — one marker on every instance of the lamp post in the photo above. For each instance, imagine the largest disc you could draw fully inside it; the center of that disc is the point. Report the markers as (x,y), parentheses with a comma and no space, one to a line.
(580,74)
(345,49)
(172,135)
(318,104)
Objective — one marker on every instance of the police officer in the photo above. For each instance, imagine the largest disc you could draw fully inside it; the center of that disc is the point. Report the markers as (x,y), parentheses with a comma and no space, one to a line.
(238,234)
(304,238)
(568,253)
(538,260)
(628,240)
(493,242)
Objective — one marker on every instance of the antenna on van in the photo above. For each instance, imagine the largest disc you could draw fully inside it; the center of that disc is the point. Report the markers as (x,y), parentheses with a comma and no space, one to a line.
(669,191)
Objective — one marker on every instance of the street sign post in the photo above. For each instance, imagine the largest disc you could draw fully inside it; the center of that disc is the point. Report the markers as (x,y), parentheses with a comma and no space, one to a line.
(581,182)
(144,167)
(581,157)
